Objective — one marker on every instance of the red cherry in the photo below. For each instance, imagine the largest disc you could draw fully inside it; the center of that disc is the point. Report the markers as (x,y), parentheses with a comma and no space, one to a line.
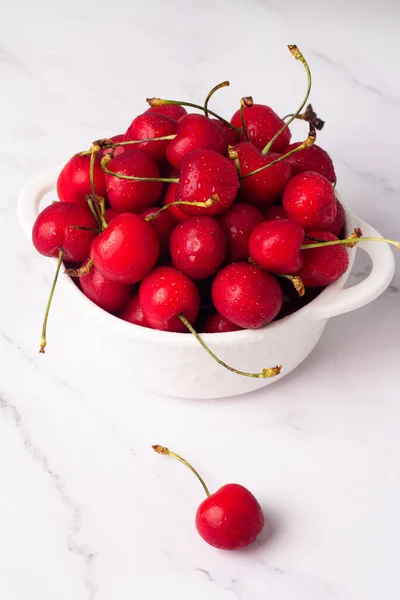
(133,196)
(205,173)
(132,312)
(109,295)
(265,187)
(231,136)
(323,266)
(216,323)
(110,213)
(166,293)
(163,225)
(174,211)
(127,250)
(237,223)
(310,200)
(73,183)
(198,247)
(53,231)
(275,246)
(195,132)
(151,125)
(262,124)
(173,111)
(336,227)
(314,159)
(246,295)
(275,212)
(230,519)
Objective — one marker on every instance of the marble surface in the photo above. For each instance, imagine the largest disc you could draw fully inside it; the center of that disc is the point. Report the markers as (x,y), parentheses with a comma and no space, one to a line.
(87,510)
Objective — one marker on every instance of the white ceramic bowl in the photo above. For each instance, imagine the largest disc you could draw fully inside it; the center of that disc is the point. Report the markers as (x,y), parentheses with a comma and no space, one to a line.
(183,368)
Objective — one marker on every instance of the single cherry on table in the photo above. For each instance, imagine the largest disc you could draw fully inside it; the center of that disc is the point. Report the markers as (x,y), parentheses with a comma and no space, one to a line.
(229,519)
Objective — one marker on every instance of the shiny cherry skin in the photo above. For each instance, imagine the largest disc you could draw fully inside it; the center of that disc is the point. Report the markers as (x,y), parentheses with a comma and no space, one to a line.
(195,132)
(314,159)
(203,174)
(109,295)
(173,111)
(53,231)
(265,187)
(135,196)
(275,246)
(231,136)
(237,223)
(275,211)
(132,312)
(323,266)
(163,225)
(110,213)
(198,247)
(337,225)
(164,294)
(262,124)
(174,211)
(151,125)
(216,323)
(310,200)
(230,519)
(126,250)
(246,295)
(73,183)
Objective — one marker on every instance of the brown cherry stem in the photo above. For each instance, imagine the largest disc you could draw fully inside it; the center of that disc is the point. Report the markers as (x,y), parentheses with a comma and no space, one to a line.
(310,116)
(265,373)
(309,141)
(161,101)
(298,56)
(85,228)
(107,158)
(167,452)
(43,340)
(207,204)
(297,283)
(211,93)
(81,271)
(234,155)
(248,102)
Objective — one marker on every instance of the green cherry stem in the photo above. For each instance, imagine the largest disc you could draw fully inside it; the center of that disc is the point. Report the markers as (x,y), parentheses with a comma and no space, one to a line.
(161,101)
(107,144)
(211,93)
(43,340)
(265,373)
(351,241)
(248,102)
(167,452)
(298,56)
(306,144)
(106,159)
(207,204)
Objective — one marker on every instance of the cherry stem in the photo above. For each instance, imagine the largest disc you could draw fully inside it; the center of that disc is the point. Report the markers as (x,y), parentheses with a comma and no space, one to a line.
(160,102)
(351,241)
(234,155)
(43,341)
(306,144)
(298,56)
(211,93)
(166,451)
(246,101)
(297,283)
(89,200)
(207,204)
(86,228)
(81,271)
(265,373)
(106,159)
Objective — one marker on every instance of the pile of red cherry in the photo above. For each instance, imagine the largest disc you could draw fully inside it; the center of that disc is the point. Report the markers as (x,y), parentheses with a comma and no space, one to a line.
(191,222)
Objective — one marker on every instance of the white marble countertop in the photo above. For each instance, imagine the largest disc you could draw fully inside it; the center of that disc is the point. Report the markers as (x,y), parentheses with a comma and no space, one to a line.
(87,510)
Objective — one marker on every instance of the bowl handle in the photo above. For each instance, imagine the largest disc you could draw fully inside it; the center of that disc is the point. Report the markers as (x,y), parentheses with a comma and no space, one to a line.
(338,300)
(31,195)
